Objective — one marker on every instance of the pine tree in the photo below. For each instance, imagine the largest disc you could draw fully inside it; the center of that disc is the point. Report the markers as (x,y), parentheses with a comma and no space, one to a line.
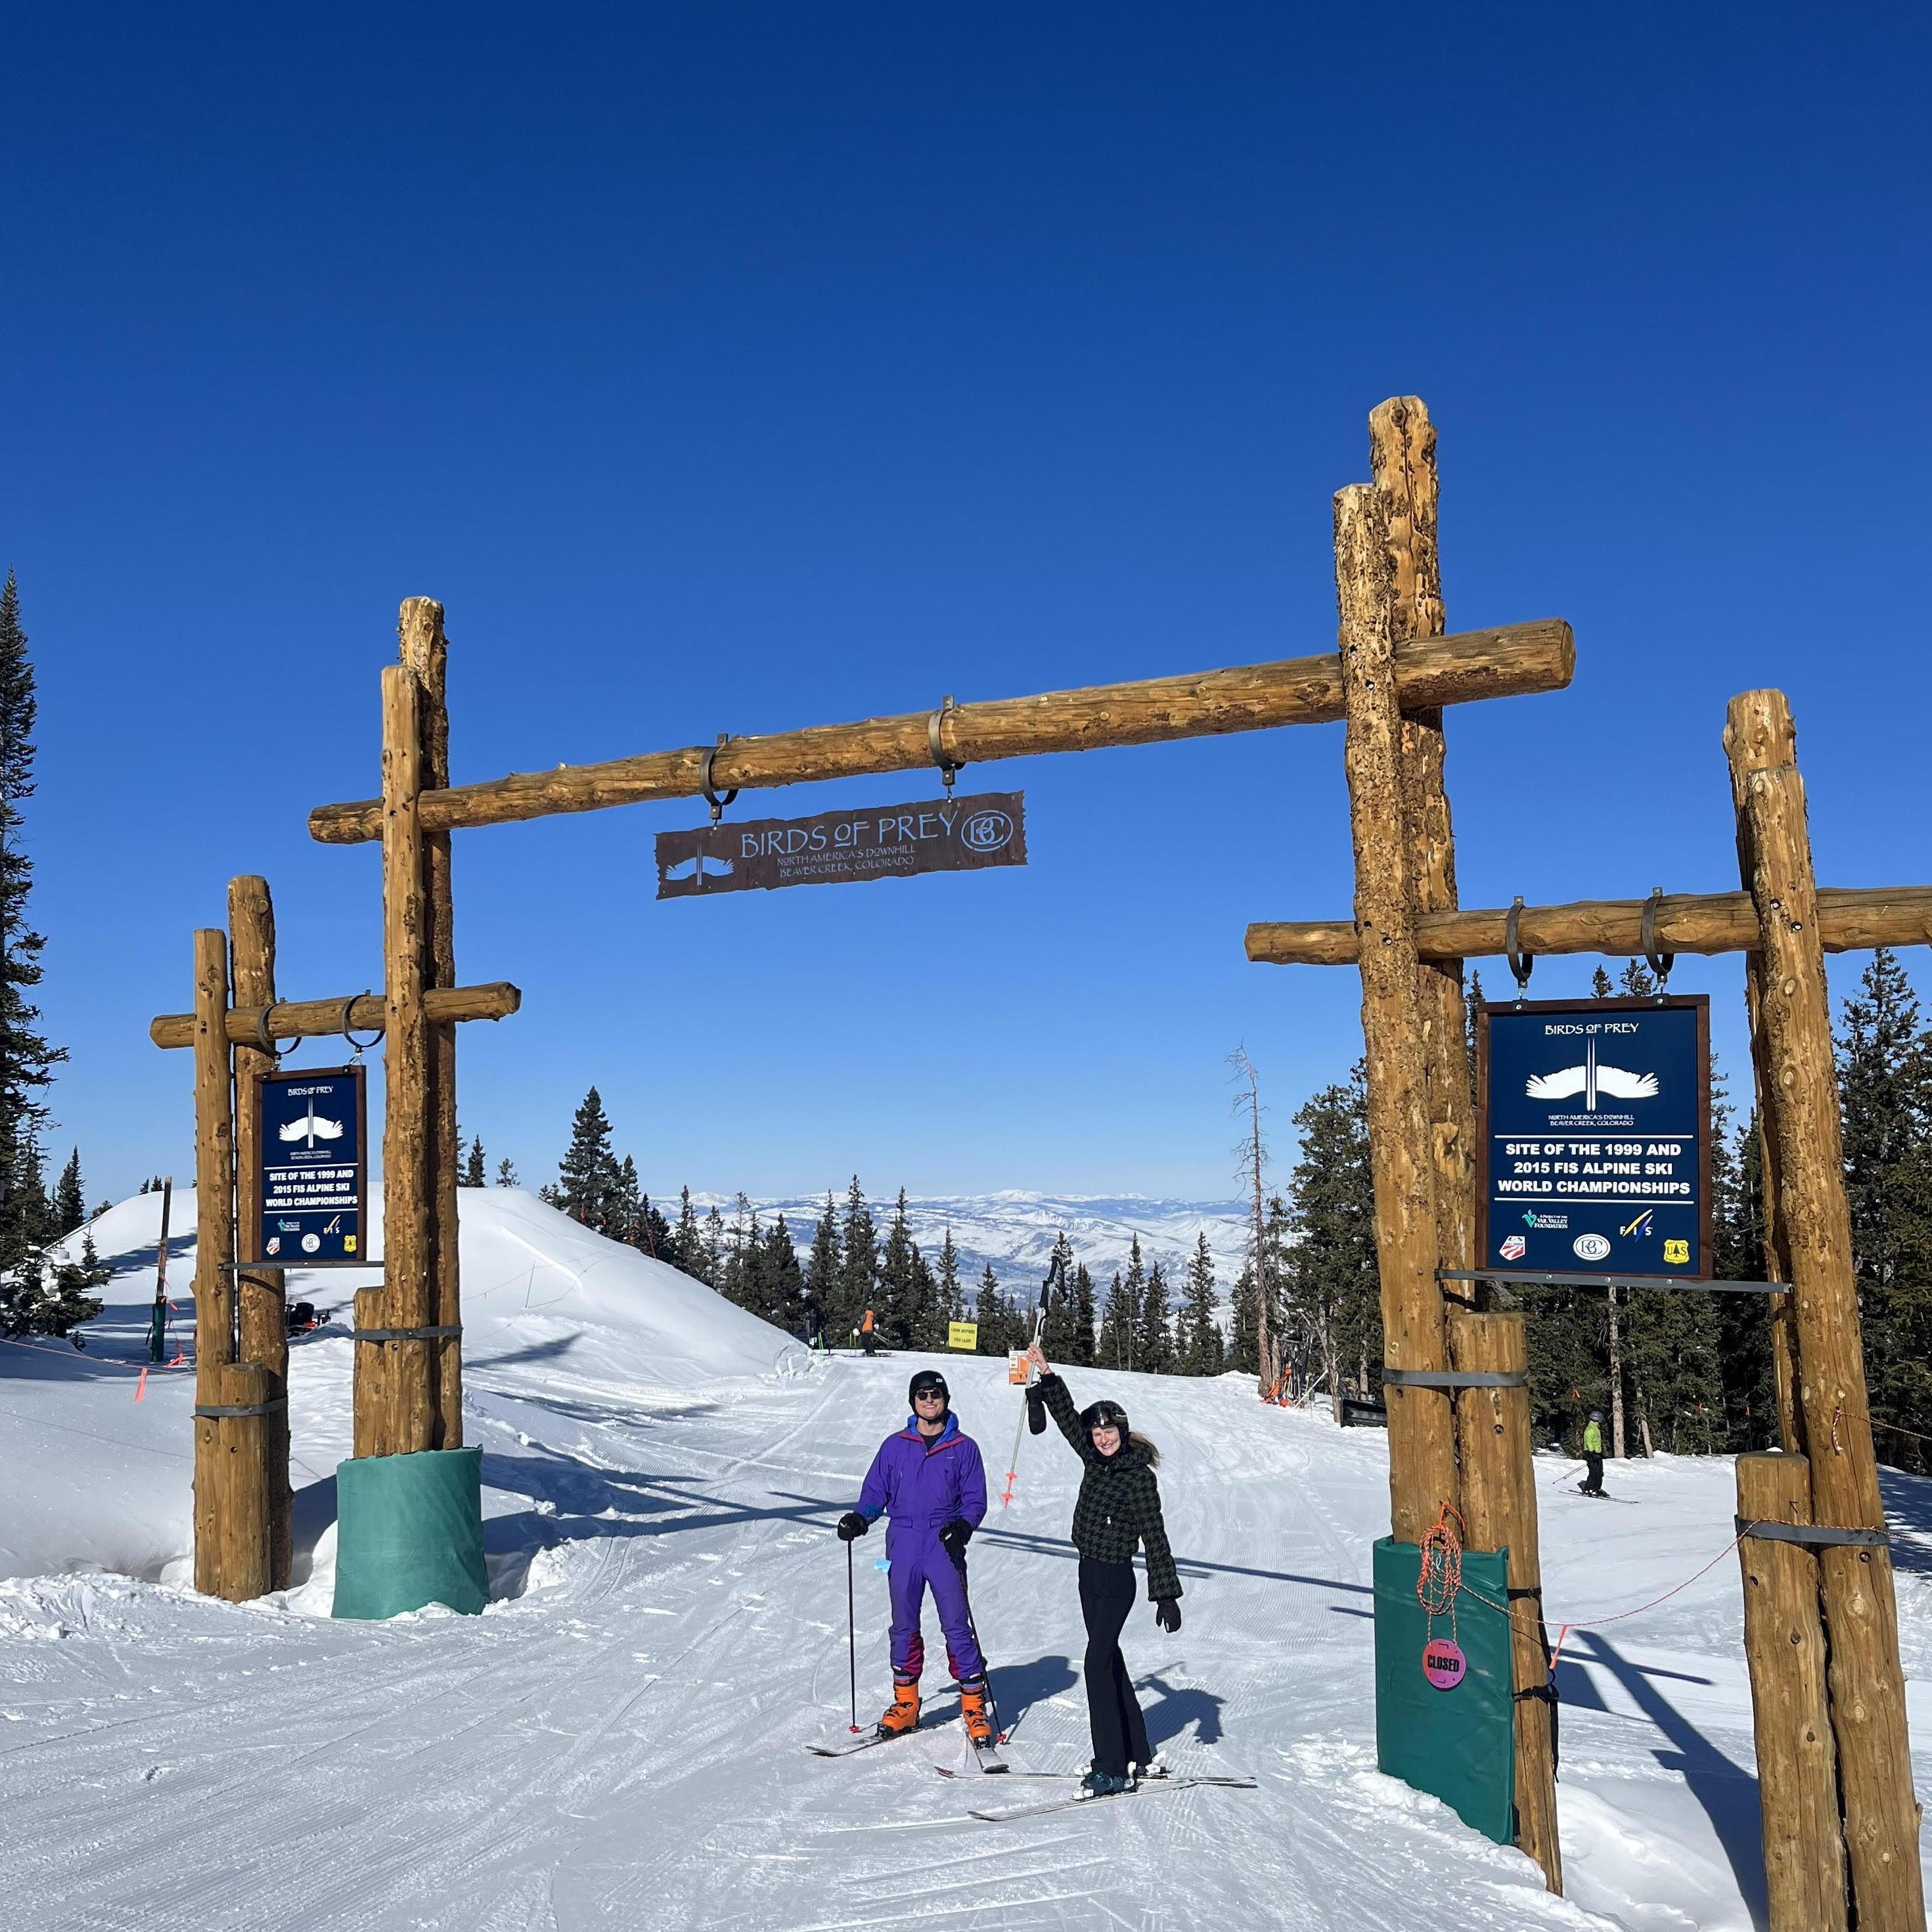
(1082,1353)
(781,1280)
(1325,1242)
(1600,987)
(687,1244)
(991,1313)
(929,1323)
(950,1296)
(506,1173)
(898,1309)
(1202,1352)
(70,1201)
(1153,1332)
(859,1260)
(711,1256)
(587,1174)
(1057,1339)
(26,1061)
(1115,1348)
(824,1271)
(1636,981)
(40,1294)
(474,1174)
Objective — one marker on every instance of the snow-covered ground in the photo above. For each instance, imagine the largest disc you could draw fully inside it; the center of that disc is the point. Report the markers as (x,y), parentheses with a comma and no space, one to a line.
(619,1740)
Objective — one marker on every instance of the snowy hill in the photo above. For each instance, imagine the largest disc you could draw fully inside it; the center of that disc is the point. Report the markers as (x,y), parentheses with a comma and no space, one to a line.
(1015,1231)
(619,1739)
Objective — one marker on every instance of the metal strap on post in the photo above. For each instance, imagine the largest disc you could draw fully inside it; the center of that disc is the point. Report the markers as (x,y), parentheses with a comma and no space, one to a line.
(1660,963)
(240,1408)
(1529,1278)
(1454,1379)
(709,758)
(407,1334)
(1521,964)
(1806,1532)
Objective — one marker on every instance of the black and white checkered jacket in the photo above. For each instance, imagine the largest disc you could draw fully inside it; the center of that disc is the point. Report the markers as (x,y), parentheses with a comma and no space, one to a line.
(1119,1507)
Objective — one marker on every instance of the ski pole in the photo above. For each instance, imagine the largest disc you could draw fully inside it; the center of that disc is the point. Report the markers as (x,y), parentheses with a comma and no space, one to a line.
(1013,1462)
(852,1639)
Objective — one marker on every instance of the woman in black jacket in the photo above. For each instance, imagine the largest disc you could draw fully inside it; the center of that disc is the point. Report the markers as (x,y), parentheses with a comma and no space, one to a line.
(1118,1510)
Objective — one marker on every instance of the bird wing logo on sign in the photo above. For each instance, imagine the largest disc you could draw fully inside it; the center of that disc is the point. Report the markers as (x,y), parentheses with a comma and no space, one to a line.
(1590,1079)
(311,1128)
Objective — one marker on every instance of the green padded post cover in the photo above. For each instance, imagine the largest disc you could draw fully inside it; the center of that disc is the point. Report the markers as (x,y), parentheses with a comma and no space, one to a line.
(1458,1745)
(408,1531)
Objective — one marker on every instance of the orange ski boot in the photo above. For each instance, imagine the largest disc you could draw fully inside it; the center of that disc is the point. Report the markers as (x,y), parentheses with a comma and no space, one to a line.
(973,1709)
(904,1714)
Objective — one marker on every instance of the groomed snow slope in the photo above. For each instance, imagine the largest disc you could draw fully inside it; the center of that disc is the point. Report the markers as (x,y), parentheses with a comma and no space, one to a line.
(618,1741)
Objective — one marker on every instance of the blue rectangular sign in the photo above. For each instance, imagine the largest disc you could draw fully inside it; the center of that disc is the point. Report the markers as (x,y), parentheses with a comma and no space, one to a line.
(311,1133)
(1596,1129)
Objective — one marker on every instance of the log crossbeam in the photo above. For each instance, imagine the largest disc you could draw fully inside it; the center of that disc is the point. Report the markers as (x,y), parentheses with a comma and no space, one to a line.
(1512,660)
(314,1019)
(1851,918)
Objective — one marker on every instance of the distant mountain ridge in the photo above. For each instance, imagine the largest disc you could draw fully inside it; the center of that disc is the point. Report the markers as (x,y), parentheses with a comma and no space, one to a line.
(1016,1229)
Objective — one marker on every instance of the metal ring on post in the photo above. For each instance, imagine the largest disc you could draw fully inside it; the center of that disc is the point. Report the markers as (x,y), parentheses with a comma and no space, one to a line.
(705,763)
(1521,964)
(358,1046)
(1660,963)
(264,1037)
(947,767)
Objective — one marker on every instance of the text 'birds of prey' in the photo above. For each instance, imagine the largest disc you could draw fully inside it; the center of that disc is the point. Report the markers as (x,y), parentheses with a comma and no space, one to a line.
(1591,1079)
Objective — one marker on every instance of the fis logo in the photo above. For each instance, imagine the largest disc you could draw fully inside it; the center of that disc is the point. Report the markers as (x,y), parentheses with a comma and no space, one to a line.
(1640,1226)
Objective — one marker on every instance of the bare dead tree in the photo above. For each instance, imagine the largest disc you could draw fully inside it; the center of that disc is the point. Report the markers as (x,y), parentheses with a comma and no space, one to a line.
(1253,1154)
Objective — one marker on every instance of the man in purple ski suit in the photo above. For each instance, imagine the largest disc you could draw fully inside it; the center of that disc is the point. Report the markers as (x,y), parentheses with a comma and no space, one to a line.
(929,1482)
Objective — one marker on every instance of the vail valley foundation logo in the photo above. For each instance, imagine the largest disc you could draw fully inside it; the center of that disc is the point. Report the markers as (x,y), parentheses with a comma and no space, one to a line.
(1590,1079)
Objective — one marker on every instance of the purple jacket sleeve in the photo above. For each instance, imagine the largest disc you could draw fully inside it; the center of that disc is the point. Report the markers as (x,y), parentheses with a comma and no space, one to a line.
(972,1486)
(877,1491)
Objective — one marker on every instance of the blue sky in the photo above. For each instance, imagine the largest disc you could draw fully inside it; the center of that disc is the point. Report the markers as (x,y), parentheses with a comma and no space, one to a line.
(735,367)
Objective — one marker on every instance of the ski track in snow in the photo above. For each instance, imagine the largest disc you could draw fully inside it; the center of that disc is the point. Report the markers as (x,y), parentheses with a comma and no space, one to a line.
(618,1741)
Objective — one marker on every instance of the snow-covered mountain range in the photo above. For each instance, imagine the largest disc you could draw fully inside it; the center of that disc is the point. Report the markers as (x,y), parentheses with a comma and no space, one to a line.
(1014,1230)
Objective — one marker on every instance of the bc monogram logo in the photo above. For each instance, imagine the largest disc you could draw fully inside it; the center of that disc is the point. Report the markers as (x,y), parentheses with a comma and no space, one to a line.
(986,831)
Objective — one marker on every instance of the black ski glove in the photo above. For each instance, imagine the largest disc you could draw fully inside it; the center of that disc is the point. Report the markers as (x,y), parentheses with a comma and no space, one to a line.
(1037,1410)
(1167,1614)
(852,1525)
(955,1537)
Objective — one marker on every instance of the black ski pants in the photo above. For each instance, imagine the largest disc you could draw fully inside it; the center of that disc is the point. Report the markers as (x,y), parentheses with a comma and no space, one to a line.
(1592,1484)
(1119,1732)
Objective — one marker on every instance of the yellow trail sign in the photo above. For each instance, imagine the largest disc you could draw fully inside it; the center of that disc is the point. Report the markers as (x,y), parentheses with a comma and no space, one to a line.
(962,1335)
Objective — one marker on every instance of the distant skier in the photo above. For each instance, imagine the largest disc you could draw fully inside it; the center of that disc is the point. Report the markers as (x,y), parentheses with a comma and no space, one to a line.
(1118,1510)
(1592,1484)
(868,1338)
(930,1483)
(814,1324)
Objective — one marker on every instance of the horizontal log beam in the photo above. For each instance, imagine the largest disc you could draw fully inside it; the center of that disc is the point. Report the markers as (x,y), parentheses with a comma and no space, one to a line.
(314,1019)
(1852,920)
(1514,661)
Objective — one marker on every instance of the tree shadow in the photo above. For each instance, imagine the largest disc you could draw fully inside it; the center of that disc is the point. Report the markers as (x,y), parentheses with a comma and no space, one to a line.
(1908,1509)
(1728,1793)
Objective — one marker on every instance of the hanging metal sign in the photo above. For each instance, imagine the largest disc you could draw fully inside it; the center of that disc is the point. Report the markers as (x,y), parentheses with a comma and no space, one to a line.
(1595,1134)
(312,1130)
(882,842)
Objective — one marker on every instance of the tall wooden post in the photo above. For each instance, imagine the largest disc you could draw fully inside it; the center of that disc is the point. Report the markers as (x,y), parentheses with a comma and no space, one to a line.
(262,1321)
(214,1246)
(1784,1647)
(1422,1455)
(1867,1687)
(425,651)
(407,1125)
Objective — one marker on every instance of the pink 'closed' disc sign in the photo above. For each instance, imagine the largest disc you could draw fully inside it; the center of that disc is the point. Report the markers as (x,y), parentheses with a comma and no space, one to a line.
(1443,1663)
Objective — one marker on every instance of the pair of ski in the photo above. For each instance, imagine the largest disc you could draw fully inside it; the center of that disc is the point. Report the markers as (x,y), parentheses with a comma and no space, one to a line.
(990,1761)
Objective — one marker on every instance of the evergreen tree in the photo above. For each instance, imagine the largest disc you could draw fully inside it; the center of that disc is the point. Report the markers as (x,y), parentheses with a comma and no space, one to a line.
(859,1261)
(687,1244)
(587,1177)
(928,1326)
(899,1319)
(475,1174)
(70,1201)
(1081,1354)
(711,1258)
(1600,987)
(26,1061)
(1325,1243)
(1636,980)
(653,1232)
(41,1295)
(1115,1348)
(950,1296)
(506,1173)
(1244,1350)
(1154,1333)
(1202,1352)
(781,1282)
(1058,1340)
(824,1272)
(991,1313)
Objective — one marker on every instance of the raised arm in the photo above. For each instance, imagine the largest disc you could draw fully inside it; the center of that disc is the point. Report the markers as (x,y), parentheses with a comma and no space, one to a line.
(1060,1405)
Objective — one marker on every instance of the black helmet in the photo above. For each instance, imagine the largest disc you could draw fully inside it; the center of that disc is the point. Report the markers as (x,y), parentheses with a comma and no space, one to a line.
(927,1382)
(1104,1415)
